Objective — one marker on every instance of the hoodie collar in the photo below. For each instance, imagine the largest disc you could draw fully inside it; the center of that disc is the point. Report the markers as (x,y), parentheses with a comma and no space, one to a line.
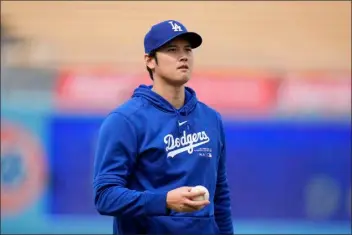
(158,101)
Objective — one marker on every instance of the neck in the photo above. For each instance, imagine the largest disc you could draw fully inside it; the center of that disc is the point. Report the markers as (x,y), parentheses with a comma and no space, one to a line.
(175,95)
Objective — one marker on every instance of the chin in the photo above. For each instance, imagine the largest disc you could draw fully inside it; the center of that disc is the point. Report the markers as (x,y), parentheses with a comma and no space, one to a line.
(179,81)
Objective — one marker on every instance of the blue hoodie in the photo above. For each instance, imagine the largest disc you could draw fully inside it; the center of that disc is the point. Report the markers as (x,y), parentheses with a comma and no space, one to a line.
(146,148)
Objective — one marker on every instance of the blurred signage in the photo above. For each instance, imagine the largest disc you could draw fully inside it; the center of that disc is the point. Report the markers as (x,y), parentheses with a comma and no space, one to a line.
(297,170)
(22,168)
(93,90)
(236,93)
(229,92)
(323,93)
(232,92)
(71,149)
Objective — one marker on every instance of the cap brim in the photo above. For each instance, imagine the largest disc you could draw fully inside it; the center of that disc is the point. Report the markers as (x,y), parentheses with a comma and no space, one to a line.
(193,38)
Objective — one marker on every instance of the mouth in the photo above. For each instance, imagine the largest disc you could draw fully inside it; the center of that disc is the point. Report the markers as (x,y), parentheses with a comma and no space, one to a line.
(183,67)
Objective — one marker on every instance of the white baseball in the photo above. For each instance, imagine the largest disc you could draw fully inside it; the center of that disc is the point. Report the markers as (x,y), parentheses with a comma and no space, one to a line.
(200,188)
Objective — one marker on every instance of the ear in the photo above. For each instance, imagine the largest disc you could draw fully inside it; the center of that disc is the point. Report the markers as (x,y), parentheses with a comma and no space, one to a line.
(149,61)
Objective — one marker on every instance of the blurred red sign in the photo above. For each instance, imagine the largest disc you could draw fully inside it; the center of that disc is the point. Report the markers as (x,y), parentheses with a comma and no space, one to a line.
(320,93)
(93,90)
(237,93)
(229,93)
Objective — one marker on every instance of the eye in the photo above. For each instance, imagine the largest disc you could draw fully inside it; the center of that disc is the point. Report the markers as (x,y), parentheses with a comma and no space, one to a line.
(171,49)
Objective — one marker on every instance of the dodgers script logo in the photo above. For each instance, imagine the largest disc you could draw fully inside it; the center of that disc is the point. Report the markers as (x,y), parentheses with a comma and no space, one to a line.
(185,143)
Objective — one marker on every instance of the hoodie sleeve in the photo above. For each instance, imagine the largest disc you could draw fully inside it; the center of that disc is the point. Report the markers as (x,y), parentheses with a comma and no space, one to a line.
(222,203)
(113,164)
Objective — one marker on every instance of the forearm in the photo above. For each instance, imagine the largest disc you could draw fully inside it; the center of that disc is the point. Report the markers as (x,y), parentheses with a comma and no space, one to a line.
(114,161)
(115,200)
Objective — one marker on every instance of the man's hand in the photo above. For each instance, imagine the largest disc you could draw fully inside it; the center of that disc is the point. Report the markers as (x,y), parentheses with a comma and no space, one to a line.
(180,200)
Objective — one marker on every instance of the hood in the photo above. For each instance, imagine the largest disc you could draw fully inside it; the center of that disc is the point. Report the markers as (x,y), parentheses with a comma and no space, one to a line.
(158,101)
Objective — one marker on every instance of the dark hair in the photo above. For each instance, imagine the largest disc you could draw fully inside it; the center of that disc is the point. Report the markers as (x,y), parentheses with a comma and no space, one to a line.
(152,54)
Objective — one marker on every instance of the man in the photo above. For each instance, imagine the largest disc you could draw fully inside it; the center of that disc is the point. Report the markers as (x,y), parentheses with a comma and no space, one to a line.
(159,144)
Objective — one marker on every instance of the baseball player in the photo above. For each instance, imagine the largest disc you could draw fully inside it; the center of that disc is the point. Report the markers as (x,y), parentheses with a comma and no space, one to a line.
(161,143)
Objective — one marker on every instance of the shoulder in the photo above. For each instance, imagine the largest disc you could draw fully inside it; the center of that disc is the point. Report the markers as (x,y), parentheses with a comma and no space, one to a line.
(215,116)
(210,111)
(128,108)
(122,114)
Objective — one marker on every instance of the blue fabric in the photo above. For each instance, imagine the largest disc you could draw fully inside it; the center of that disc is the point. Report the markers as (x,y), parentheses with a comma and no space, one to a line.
(146,148)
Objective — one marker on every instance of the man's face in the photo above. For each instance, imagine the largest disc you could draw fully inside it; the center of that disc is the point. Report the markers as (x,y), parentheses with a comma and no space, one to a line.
(175,62)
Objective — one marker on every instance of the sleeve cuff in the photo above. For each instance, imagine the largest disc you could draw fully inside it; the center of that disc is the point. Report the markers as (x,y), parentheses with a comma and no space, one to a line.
(155,203)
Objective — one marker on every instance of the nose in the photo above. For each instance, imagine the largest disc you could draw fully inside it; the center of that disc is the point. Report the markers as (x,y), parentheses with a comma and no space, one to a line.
(184,58)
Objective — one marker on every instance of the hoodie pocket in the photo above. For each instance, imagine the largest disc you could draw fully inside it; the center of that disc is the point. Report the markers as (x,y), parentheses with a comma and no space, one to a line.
(181,225)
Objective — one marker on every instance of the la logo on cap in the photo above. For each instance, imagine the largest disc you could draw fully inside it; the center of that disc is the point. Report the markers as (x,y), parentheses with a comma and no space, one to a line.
(175,26)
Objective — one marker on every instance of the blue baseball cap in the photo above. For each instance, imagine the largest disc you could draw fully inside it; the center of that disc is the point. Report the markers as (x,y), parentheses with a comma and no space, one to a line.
(165,31)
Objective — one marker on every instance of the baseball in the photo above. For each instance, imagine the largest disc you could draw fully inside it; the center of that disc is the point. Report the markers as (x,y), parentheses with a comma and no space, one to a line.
(200,188)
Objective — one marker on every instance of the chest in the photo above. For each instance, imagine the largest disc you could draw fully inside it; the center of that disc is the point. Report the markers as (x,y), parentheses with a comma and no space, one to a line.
(182,145)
